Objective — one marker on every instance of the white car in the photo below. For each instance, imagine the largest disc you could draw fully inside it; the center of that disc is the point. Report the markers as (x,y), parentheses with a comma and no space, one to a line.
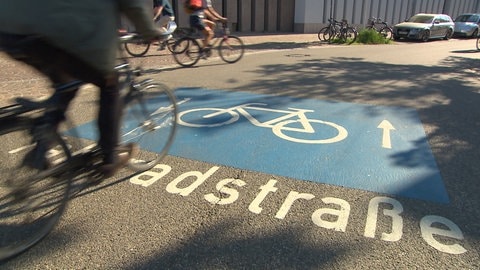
(466,25)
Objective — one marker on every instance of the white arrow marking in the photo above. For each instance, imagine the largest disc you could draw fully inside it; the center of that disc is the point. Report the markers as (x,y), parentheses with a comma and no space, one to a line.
(387,127)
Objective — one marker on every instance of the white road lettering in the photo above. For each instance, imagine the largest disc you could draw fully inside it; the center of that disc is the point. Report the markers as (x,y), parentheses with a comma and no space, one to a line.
(329,218)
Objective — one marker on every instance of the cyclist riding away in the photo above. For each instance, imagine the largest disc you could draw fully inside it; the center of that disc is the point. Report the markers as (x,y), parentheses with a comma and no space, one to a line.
(203,18)
(162,16)
(71,40)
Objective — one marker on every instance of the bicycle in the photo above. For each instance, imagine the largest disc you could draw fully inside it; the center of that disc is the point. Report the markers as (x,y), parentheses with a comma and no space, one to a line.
(33,197)
(339,31)
(187,50)
(380,26)
(138,47)
(292,121)
(478,42)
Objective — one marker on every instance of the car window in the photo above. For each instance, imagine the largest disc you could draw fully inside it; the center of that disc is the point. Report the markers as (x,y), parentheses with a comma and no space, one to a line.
(444,19)
(462,18)
(473,18)
(467,18)
(421,19)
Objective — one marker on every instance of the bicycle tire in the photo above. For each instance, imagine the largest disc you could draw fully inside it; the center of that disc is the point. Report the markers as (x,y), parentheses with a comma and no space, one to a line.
(350,35)
(231,49)
(320,33)
(186,52)
(149,121)
(137,48)
(171,44)
(326,33)
(386,32)
(31,200)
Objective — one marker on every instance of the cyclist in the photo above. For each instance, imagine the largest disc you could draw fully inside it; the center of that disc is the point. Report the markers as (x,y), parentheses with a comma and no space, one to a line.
(71,40)
(162,16)
(204,19)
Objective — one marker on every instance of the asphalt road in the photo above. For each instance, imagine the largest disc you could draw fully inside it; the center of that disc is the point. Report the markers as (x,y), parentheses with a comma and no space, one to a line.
(183,215)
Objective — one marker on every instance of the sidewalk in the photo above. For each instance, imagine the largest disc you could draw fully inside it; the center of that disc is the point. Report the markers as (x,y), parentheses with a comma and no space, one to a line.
(266,41)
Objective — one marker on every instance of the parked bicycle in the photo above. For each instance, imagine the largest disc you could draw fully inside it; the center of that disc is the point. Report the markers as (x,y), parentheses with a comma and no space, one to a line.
(32,197)
(381,27)
(138,47)
(187,51)
(338,31)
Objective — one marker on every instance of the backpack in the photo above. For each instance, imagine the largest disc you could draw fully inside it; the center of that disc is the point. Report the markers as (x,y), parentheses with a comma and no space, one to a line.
(192,5)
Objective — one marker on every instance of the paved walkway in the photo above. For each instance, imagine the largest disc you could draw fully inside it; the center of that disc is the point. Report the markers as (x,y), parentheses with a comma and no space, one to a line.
(17,79)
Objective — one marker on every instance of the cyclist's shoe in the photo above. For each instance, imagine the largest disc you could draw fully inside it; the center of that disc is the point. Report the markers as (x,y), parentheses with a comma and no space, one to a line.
(161,47)
(37,158)
(165,37)
(124,154)
(206,52)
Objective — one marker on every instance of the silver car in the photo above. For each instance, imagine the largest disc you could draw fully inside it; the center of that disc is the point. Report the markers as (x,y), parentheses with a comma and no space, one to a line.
(425,26)
(466,25)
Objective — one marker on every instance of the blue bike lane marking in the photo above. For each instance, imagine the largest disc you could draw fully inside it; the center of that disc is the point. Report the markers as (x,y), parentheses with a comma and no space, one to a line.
(374,148)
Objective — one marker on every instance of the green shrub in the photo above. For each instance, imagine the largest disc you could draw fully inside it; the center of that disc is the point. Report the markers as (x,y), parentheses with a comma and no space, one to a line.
(371,36)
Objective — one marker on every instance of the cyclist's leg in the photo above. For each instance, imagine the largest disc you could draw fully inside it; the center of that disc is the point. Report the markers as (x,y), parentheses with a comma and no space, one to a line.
(109,116)
(162,23)
(199,23)
(209,27)
(63,67)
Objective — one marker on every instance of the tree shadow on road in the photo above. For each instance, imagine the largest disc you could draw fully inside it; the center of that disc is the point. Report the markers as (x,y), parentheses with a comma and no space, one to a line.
(446,97)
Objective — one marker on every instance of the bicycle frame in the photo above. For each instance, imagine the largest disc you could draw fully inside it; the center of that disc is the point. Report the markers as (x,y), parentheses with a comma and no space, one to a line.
(222,34)
(296,113)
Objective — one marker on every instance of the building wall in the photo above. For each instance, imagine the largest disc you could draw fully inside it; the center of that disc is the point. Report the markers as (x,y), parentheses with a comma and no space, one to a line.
(311,15)
(308,16)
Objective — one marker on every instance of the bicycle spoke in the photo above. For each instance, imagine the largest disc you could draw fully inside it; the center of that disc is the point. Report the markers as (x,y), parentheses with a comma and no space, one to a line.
(150,120)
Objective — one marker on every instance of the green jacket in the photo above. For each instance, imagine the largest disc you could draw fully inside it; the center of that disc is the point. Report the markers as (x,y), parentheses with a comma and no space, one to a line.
(85,28)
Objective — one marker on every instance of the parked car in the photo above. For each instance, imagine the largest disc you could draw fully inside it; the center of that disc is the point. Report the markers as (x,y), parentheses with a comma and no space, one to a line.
(424,26)
(466,25)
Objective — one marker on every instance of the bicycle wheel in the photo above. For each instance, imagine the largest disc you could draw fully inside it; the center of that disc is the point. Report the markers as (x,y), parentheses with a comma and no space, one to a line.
(171,44)
(137,47)
(386,32)
(186,52)
(31,200)
(349,35)
(150,121)
(326,33)
(231,49)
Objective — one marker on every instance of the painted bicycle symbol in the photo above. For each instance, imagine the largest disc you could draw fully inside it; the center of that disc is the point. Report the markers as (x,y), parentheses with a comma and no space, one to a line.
(290,122)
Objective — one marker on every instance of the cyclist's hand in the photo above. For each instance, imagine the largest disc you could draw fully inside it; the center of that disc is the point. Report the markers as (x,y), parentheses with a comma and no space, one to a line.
(223,19)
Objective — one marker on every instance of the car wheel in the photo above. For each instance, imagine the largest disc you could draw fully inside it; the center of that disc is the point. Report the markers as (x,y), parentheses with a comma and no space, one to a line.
(448,35)
(425,35)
